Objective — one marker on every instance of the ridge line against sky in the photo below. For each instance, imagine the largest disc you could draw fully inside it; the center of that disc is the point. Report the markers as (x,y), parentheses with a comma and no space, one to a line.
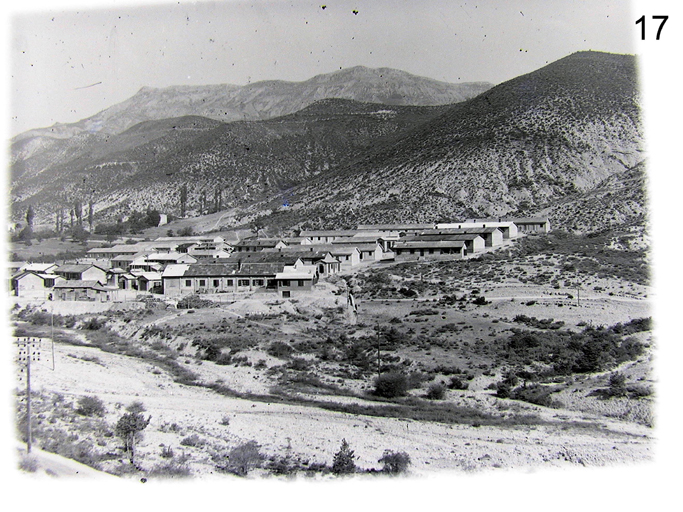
(71,60)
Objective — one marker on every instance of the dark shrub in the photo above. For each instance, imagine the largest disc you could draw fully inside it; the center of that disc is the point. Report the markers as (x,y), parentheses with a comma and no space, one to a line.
(503,390)
(90,406)
(299,364)
(436,391)
(223,359)
(391,385)
(243,458)
(167,452)
(194,440)
(394,462)
(195,302)
(456,383)
(93,324)
(617,384)
(136,407)
(279,349)
(534,394)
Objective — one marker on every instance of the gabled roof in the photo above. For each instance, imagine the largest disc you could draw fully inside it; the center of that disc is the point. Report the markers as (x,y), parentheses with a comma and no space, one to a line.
(258,242)
(528,220)
(38,267)
(294,275)
(76,268)
(449,237)
(292,253)
(460,231)
(210,269)
(393,227)
(176,270)
(355,240)
(427,244)
(329,232)
(150,276)
(284,255)
(260,269)
(94,285)
(334,249)
(168,256)
(23,273)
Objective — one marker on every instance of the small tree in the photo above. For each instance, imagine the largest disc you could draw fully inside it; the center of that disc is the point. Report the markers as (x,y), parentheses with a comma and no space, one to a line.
(129,428)
(183,200)
(343,462)
(244,457)
(394,462)
(30,216)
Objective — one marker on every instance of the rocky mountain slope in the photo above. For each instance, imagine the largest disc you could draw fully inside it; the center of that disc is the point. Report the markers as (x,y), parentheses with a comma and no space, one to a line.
(557,132)
(619,200)
(567,134)
(266,100)
(146,165)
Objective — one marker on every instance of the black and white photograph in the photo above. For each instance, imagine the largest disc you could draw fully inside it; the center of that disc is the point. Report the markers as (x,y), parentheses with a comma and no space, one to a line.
(340,243)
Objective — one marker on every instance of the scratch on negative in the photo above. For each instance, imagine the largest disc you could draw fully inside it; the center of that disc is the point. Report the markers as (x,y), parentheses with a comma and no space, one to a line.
(86,86)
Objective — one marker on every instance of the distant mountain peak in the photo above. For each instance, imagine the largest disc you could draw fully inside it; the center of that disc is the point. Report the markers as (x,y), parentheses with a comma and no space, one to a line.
(267,99)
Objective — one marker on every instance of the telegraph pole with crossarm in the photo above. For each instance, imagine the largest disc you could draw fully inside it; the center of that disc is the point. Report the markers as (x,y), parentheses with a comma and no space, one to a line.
(29,349)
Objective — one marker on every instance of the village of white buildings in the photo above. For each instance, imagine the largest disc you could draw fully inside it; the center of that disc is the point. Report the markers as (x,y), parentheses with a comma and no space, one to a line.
(175,267)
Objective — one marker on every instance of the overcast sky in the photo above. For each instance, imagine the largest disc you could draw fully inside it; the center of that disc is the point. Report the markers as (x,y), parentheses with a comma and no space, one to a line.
(74,60)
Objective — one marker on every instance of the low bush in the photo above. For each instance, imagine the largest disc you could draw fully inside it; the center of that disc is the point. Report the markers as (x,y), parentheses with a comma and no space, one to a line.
(534,394)
(193,440)
(391,385)
(394,463)
(436,391)
(195,302)
(457,383)
(28,463)
(171,469)
(90,406)
(243,458)
(279,349)
(167,452)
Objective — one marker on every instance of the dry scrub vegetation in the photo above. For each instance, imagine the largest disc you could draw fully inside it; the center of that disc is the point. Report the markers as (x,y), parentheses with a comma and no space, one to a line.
(469,346)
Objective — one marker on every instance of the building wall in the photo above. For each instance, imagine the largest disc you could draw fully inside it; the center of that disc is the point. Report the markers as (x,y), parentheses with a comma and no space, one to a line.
(95,274)
(81,294)
(348,260)
(32,287)
(419,255)
(534,228)
(293,287)
(174,286)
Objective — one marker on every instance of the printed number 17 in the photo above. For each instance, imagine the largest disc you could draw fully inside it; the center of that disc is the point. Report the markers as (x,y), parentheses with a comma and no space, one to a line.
(641,20)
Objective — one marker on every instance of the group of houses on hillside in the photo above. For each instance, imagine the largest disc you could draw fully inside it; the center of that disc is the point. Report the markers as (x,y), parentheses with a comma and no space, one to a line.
(180,266)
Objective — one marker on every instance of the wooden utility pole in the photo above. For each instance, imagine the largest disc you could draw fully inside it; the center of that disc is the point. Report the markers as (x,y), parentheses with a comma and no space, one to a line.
(28,350)
(379,358)
(52,332)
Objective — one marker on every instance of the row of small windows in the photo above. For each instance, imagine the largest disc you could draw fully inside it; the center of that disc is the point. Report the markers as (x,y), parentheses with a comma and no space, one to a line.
(242,282)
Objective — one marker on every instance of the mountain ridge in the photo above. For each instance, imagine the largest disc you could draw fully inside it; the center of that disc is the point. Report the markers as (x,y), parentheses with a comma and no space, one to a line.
(518,148)
(265,99)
